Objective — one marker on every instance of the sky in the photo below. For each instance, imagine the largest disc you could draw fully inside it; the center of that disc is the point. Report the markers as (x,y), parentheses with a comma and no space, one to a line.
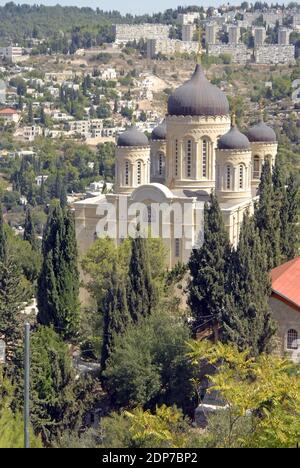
(127,6)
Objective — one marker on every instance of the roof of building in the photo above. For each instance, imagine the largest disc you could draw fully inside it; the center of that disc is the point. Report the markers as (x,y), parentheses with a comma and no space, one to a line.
(234,140)
(8,110)
(262,133)
(198,97)
(286,281)
(133,138)
(160,132)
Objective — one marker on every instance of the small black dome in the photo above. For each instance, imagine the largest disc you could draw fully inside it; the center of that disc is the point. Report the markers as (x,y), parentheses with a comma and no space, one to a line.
(262,133)
(198,97)
(234,140)
(160,132)
(133,137)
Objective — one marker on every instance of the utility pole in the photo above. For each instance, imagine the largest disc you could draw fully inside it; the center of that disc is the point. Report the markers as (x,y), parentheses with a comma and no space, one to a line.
(26,386)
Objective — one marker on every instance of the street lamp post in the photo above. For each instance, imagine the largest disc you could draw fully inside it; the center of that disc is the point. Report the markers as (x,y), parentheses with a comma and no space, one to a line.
(26,386)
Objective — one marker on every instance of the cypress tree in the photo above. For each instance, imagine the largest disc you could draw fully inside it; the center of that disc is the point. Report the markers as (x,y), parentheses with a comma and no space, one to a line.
(12,296)
(29,230)
(3,243)
(142,295)
(208,268)
(58,283)
(280,202)
(292,207)
(249,322)
(267,218)
(115,314)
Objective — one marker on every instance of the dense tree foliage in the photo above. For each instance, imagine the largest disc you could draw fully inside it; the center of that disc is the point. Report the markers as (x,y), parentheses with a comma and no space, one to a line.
(208,266)
(58,283)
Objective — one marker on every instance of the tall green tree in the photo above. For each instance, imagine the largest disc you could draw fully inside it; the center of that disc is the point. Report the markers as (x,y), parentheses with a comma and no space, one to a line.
(267,217)
(142,294)
(281,202)
(249,323)
(58,283)
(3,243)
(115,314)
(292,208)
(208,267)
(29,230)
(58,399)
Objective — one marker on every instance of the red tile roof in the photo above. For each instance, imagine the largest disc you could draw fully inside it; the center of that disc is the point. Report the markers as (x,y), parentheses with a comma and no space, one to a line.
(8,111)
(286,281)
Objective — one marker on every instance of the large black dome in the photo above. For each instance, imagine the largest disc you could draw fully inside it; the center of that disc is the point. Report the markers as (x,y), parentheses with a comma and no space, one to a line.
(133,137)
(234,140)
(198,97)
(160,132)
(262,133)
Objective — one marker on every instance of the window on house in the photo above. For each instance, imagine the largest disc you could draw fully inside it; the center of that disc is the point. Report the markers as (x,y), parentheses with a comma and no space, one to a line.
(139,173)
(177,248)
(204,157)
(256,168)
(241,185)
(292,339)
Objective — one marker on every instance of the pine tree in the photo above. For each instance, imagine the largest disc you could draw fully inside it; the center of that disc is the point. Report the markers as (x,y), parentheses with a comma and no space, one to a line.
(248,323)
(267,217)
(292,208)
(280,203)
(58,284)
(29,230)
(207,288)
(115,314)
(3,243)
(30,118)
(59,190)
(142,295)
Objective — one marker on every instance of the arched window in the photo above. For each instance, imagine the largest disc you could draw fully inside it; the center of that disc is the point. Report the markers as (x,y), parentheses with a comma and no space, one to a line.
(241,176)
(205,148)
(256,167)
(292,340)
(189,158)
(127,173)
(177,248)
(176,158)
(228,178)
(161,164)
(139,173)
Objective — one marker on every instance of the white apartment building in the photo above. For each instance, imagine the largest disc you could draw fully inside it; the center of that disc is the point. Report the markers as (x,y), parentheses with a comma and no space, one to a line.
(86,127)
(188,31)
(30,133)
(188,18)
(284,36)
(275,54)
(12,53)
(259,36)
(170,47)
(234,35)
(239,52)
(109,74)
(211,32)
(129,32)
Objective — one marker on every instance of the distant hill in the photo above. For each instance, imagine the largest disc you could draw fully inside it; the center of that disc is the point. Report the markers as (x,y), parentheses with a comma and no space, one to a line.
(20,22)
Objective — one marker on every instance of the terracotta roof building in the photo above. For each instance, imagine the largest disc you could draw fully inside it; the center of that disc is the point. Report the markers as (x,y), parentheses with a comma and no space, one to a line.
(285,305)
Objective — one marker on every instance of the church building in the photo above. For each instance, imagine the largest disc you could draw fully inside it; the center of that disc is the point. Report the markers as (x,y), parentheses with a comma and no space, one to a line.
(197,149)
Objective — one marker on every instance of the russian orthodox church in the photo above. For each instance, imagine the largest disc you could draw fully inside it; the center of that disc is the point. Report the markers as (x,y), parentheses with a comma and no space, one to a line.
(197,149)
